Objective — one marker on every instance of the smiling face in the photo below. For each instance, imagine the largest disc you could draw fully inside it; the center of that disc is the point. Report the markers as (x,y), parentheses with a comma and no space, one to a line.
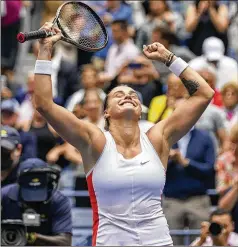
(123,102)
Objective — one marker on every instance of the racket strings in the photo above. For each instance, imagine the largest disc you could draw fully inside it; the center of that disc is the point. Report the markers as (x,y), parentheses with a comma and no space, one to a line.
(82,26)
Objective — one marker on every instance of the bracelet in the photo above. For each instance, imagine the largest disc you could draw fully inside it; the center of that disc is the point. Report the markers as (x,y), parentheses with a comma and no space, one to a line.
(43,67)
(178,66)
(170,59)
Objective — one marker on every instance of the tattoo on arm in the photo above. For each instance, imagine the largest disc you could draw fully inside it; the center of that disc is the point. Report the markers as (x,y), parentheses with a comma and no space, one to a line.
(191,86)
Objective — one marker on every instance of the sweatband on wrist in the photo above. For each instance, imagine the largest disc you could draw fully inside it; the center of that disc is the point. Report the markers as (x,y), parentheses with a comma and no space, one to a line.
(43,67)
(178,66)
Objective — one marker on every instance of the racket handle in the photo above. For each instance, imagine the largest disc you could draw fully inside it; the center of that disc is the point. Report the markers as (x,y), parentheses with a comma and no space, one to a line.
(22,37)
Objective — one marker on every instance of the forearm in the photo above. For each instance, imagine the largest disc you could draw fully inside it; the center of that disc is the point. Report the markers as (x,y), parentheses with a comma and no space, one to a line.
(229,200)
(60,240)
(192,22)
(43,88)
(198,242)
(218,21)
(196,85)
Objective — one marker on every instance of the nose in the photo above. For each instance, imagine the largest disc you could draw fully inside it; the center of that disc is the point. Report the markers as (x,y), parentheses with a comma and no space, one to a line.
(128,96)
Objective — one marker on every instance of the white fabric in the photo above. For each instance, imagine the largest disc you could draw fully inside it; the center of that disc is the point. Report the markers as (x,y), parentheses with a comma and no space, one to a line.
(213,48)
(178,66)
(3,9)
(128,194)
(227,69)
(26,110)
(43,67)
(118,55)
(183,143)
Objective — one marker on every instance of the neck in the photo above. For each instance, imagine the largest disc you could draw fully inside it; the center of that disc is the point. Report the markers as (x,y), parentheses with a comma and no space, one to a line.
(230,108)
(125,133)
(94,119)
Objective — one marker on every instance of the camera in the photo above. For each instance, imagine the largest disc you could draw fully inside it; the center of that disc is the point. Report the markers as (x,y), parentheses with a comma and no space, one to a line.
(215,229)
(14,231)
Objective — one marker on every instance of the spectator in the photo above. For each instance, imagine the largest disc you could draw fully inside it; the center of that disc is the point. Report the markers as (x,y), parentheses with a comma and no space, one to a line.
(26,109)
(163,105)
(205,19)
(190,173)
(45,137)
(213,121)
(64,76)
(163,35)
(227,177)
(93,108)
(141,75)
(88,80)
(114,11)
(55,227)
(213,53)
(122,51)
(226,165)
(227,237)
(159,13)
(208,73)
(9,111)
(10,26)
(10,154)
(230,101)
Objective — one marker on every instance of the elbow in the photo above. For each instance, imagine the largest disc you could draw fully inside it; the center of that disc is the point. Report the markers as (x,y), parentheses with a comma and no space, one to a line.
(42,106)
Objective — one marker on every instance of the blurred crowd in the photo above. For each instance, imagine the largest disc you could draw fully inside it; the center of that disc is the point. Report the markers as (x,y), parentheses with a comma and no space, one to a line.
(203,33)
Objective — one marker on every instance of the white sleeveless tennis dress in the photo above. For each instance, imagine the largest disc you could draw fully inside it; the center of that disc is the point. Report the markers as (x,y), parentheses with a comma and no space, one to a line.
(126,197)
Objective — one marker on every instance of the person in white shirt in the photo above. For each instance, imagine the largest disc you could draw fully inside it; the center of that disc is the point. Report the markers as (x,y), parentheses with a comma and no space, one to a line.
(123,50)
(218,232)
(213,53)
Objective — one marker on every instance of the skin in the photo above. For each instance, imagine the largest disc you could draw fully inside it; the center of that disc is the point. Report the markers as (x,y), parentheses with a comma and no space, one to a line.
(123,111)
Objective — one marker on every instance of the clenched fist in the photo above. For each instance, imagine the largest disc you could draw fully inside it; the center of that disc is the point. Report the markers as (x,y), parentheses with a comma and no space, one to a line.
(157,51)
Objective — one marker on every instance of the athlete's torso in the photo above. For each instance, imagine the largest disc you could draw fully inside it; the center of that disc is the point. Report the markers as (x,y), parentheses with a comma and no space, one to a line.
(126,197)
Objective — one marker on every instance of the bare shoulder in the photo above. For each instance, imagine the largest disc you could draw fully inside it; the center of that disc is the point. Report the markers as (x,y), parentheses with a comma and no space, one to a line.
(157,139)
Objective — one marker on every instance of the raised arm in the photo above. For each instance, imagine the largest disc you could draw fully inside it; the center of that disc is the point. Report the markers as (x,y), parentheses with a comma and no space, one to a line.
(187,113)
(68,126)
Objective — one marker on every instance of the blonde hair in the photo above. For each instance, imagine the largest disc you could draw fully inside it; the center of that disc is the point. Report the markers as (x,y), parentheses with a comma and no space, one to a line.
(232,84)
(234,133)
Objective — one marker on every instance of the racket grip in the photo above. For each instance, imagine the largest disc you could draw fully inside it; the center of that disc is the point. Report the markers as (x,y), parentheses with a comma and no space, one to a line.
(39,34)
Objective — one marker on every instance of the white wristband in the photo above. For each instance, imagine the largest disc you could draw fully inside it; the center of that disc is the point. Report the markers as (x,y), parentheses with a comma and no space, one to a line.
(178,66)
(43,67)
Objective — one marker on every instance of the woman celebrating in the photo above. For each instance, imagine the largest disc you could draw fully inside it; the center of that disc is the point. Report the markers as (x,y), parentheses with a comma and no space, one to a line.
(127,178)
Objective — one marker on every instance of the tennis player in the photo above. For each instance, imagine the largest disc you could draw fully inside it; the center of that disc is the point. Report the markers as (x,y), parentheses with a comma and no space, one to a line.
(127,178)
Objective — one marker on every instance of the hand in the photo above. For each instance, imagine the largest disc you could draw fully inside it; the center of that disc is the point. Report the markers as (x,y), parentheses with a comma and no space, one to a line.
(50,41)
(203,7)
(235,183)
(175,155)
(221,239)
(156,51)
(52,156)
(204,231)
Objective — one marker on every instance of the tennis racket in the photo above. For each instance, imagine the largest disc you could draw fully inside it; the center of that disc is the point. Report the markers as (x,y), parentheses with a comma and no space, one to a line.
(79,25)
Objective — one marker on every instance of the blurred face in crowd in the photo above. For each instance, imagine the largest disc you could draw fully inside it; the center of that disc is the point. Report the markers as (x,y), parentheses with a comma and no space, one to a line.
(10,157)
(224,220)
(158,7)
(118,33)
(92,105)
(141,70)
(89,78)
(113,4)
(230,97)
(209,77)
(9,118)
